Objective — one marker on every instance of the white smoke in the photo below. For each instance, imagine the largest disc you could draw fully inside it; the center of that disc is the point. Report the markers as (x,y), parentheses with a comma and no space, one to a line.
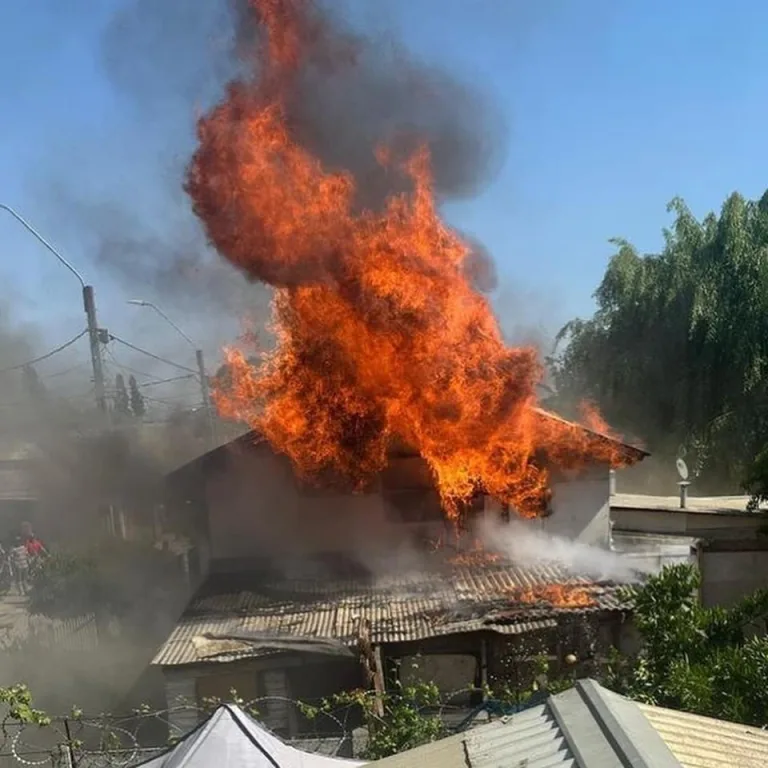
(526,545)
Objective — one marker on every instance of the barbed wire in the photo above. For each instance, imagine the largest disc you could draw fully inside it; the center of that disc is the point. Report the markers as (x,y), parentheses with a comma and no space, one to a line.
(118,741)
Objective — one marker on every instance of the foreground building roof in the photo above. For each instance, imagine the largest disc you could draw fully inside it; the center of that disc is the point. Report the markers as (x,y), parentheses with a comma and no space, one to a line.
(591,727)
(228,625)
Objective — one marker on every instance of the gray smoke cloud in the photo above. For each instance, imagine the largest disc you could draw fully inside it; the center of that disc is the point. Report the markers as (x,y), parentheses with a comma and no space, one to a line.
(524,545)
(355,93)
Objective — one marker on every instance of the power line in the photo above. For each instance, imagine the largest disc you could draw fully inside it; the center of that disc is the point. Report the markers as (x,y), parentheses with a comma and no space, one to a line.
(128,368)
(166,381)
(174,401)
(47,355)
(150,354)
(65,371)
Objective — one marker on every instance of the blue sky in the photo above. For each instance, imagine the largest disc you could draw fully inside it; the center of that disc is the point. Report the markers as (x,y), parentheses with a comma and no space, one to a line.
(612,109)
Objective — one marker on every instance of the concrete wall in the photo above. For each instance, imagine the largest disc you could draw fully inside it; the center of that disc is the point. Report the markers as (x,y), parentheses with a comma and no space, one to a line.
(727,576)
(580,507)
(695,523)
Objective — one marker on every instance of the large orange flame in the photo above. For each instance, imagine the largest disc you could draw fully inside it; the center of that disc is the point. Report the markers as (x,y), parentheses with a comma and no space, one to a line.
(560,595)
(380,332)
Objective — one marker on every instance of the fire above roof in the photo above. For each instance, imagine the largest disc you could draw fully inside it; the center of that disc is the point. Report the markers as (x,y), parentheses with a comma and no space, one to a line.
(399,449)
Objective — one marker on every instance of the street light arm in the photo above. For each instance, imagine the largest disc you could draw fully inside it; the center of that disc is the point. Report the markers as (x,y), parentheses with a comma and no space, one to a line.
(24,223)
(142,303)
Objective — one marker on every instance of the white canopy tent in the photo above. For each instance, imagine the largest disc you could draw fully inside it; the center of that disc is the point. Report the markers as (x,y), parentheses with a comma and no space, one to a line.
(230,738)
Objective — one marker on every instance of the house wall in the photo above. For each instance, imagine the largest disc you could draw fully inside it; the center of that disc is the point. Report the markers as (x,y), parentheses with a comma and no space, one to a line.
(256,508)
(680,522)
(727,576)
(580,507)
(272,684)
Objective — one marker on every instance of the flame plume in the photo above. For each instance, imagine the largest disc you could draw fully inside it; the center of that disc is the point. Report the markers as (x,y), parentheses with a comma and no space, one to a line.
(380,332)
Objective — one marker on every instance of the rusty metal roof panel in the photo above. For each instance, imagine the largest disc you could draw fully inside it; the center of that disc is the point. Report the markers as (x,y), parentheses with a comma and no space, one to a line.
(467,599)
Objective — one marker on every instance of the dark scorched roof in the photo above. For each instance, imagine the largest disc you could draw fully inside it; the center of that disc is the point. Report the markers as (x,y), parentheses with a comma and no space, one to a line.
(410,607)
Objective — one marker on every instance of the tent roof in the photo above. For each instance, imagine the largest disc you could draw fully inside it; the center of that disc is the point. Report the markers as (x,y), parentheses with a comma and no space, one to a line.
(230,738)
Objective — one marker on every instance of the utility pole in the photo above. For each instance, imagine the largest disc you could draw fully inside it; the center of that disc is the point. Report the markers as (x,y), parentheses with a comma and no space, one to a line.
(206,396)
(89,304)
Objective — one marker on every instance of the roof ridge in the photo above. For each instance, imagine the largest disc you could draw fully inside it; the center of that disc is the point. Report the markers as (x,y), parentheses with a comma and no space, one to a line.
(621,737)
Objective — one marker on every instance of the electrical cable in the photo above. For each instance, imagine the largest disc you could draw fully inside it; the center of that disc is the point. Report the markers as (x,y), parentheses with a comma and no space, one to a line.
(48,354)
(65,371)
(128,368)
(150,354)
(186,377)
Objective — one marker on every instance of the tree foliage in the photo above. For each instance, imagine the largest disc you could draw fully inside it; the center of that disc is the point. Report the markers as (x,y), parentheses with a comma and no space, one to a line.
(677,352)
(138,406)
(703,660)
(34,387)
(122,401)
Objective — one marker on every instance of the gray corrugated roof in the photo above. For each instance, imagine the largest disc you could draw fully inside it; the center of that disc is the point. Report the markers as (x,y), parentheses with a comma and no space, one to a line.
(410,607)
(584,727)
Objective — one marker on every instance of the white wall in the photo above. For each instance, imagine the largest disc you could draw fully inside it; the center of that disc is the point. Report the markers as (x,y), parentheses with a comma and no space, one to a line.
(580,508)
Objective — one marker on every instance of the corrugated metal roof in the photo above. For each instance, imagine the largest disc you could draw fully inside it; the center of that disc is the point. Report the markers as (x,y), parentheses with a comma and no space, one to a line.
(584,727)
(531,738)
(591,727)
(406,608)
(702,742)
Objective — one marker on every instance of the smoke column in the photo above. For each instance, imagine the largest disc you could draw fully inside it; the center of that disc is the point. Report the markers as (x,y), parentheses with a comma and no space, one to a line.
(520,542)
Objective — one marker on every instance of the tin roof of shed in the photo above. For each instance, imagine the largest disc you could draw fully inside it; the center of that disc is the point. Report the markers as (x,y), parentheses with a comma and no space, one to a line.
(586,726)
(230,625)
(589,726)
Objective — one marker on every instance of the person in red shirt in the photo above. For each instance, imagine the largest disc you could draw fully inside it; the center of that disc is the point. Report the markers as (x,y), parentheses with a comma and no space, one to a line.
(34,546)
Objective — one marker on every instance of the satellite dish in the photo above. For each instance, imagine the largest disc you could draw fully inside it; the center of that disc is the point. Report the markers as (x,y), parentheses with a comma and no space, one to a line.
(682,469)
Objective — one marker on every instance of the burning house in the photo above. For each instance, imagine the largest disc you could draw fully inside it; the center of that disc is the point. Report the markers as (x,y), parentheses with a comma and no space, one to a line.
(335,541)
(297,581)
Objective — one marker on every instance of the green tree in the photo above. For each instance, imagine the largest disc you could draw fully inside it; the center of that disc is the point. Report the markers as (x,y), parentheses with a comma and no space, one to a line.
(32,384)
(122,401)
(703,660)
(677,352)
(138,406)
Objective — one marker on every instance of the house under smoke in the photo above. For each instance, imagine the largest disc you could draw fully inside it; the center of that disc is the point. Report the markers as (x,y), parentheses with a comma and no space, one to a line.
(19,494)
(307,592)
